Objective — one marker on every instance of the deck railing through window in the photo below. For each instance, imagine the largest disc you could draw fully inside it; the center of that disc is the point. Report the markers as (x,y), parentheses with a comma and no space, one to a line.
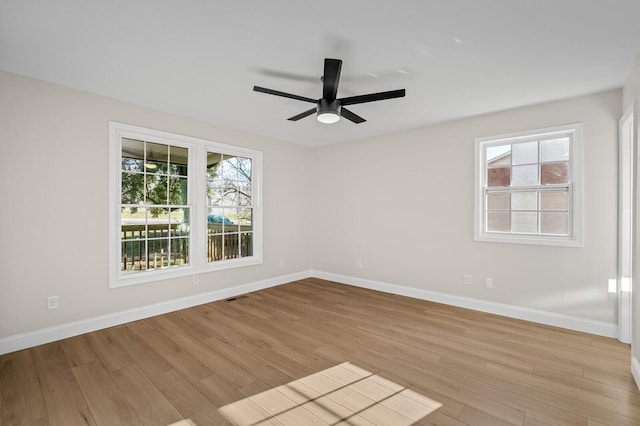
(155,246)
(229,242)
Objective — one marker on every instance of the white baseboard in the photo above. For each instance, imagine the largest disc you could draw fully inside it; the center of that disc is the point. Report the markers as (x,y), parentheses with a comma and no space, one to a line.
(63,331)
(635,370)
(549,318)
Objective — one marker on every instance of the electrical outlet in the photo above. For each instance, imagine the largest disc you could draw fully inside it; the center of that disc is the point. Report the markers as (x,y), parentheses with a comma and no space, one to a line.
(52,302)
(281,262)
(359,264)
(195,279)
(489,282)
(467,279)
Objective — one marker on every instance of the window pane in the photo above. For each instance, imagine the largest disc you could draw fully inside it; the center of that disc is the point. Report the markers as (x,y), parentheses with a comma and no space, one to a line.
(216,220)
(524,201)
(178,159)
(554,200)
(246,244)
(179,236)
(231,248)
(230,168)
(134,255)
(499,177)
(157,158)
(132,154)
(132,216)
(230,196)
(157,252)
(231,237)
(158,227)
(179,218)
(525,153)
(498,222)
(214,247)
(178,190)
(132,191)
(245,219)
(498,201)
(222,235)
(525,175)
(554,173)
(132,235)
(213,164)
(214,195)
(132,165)
(229,220)
(244,193)
(244,169)
(156,189)
(524,222)
(556,223)
(179,251)
(554,150)
(498,156)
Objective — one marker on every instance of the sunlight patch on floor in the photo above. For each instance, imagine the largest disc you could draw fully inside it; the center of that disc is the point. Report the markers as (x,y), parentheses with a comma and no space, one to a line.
(341,395)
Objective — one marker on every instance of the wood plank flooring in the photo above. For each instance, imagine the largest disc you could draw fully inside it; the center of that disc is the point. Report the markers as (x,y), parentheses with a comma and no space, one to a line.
(317,352)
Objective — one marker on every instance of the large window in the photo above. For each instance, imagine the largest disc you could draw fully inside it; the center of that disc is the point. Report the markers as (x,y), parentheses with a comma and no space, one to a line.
(180,205)
(528,187)
(155,209)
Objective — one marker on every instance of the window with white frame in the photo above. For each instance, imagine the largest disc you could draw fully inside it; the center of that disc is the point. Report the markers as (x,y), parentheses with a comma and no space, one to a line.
(180,205)
(529,187)
(230,206)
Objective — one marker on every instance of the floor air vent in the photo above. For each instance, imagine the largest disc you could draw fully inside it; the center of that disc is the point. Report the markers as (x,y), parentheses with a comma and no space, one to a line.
(233,299)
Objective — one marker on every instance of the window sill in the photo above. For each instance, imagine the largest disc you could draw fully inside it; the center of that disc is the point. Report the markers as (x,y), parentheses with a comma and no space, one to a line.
(543,240)
(133,278)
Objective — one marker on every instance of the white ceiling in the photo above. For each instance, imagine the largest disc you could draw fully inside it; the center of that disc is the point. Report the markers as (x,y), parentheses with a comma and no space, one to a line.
(201,58)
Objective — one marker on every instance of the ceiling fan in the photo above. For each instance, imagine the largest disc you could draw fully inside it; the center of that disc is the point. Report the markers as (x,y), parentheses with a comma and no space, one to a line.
(328,108)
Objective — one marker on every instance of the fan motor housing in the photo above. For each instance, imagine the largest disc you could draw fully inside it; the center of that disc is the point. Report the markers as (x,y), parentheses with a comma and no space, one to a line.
(328,111)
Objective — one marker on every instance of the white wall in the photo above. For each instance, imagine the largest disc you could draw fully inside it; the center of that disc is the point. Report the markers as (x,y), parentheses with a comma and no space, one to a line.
(631,94)
(402,204)
(54,186)
(631,89)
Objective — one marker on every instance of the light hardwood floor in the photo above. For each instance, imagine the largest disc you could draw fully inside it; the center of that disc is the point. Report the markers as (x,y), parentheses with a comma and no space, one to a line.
(316,352)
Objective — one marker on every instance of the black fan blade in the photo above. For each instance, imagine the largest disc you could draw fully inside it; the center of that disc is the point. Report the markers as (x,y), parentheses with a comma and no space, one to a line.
(331,78)
(351,116)
(302,115)
(287,75)
(283,94)
(372,97)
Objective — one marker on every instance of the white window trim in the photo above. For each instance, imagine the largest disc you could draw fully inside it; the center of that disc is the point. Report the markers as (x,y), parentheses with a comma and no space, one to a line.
(197,195)
(576,237)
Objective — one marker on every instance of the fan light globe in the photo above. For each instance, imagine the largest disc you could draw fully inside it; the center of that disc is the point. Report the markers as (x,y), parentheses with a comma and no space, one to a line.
(328,117)
(328,111)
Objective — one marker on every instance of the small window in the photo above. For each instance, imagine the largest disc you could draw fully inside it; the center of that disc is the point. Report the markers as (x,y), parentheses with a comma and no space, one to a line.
(170,215)
(528,187)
